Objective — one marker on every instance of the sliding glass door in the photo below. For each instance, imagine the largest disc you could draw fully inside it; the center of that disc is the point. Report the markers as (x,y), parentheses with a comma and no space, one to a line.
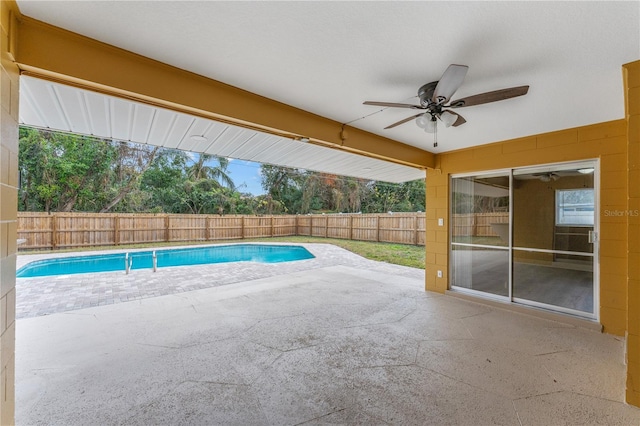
(554,237)
(528,236)
(480,233)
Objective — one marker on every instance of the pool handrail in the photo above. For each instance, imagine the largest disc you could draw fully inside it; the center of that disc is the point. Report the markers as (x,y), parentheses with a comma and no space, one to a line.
(128,261)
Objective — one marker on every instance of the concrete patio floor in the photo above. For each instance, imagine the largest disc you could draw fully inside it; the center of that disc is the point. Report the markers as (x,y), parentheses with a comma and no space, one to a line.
(340,341)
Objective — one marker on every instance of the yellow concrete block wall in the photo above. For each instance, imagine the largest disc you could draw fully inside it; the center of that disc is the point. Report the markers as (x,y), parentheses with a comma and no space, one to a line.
(436,235)
(617,145)
(604,141)
(8,208)
(632,108)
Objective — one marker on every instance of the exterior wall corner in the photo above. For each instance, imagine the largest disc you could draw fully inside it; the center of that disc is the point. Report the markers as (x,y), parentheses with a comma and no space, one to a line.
(631,74)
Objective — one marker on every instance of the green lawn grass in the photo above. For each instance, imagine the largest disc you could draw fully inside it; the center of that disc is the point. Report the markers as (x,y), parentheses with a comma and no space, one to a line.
(399,254)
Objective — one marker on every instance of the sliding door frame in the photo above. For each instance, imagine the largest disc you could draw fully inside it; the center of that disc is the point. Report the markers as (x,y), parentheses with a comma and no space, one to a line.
(595,315)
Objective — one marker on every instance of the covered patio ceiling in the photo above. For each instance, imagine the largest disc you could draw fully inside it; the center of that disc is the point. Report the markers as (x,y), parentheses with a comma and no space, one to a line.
(49,105)
(327,58)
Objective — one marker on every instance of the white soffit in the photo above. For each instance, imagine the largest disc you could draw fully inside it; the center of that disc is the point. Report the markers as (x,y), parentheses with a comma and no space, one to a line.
(328,57)
(54,106)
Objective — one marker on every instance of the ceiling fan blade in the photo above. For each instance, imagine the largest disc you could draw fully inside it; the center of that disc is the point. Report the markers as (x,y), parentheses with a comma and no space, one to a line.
(403,121)
(449,83)
(459,121)
(392,104)
(485,98)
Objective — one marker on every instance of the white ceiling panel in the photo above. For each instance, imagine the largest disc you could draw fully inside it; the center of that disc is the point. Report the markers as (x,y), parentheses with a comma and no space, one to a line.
(193,139)
(260,143)
(162,124)
(46,105)
(179,130)
(121,113)
(98,111)
(224,144)
(242,147)
(285,149)
(29,110)
(54,106)
(213,133)
(143,117)
(73,108)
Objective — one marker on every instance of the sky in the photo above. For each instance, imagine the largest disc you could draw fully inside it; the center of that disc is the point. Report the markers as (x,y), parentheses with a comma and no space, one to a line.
(246,176)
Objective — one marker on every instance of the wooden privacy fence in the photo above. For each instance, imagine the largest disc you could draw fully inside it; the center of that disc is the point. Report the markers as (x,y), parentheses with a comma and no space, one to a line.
(70,230)
(477,224)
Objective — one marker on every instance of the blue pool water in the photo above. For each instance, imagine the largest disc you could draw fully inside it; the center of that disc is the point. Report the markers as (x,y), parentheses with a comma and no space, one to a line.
(169,257)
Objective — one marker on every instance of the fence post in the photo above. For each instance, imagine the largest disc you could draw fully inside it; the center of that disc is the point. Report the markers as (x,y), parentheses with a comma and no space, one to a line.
(350,227)
(206,228)
(54,231)
(116,229)
(378,228)
(166,228)
(271,226)
(474,223)
(242,227)
(297,226)
(326,226)
(415,229)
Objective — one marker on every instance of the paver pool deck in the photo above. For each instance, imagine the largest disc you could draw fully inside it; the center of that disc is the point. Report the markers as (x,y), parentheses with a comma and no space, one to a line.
(333,340)
(48,295)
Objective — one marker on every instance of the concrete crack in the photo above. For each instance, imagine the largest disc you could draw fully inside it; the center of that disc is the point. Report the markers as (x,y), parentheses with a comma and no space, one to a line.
(380,323)
(299,348)
(158,346)
(538,395)
(476,315)
(320,417)
(549,373)
(212,382)
(386,366)
(553,353)
(516,410)
(456,380)
(467,329)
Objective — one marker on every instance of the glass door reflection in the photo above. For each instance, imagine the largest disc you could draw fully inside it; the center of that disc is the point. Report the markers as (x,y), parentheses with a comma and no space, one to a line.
(553,228)
(480,233)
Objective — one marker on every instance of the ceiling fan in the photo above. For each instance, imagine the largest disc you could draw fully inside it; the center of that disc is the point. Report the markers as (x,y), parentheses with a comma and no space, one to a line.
(547,177)
(434,96)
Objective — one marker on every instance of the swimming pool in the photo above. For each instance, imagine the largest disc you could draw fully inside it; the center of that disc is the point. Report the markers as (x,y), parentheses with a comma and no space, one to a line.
(164,258)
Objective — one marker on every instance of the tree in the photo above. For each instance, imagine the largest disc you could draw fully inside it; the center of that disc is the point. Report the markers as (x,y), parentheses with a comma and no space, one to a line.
(282,184)
(132,161)
(202,187)
(164,181)
(303,192)
(62,172)
(203,169)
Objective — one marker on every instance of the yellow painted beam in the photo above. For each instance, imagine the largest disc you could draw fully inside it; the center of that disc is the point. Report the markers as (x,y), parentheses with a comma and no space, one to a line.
(50,52)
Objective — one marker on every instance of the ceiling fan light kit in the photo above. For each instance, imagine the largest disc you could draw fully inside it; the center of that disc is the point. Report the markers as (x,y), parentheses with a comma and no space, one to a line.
(448,118)
(426,122)
(434,96)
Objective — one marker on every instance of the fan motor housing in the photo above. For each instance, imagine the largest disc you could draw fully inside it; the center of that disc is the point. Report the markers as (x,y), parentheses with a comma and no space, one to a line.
(425,93)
